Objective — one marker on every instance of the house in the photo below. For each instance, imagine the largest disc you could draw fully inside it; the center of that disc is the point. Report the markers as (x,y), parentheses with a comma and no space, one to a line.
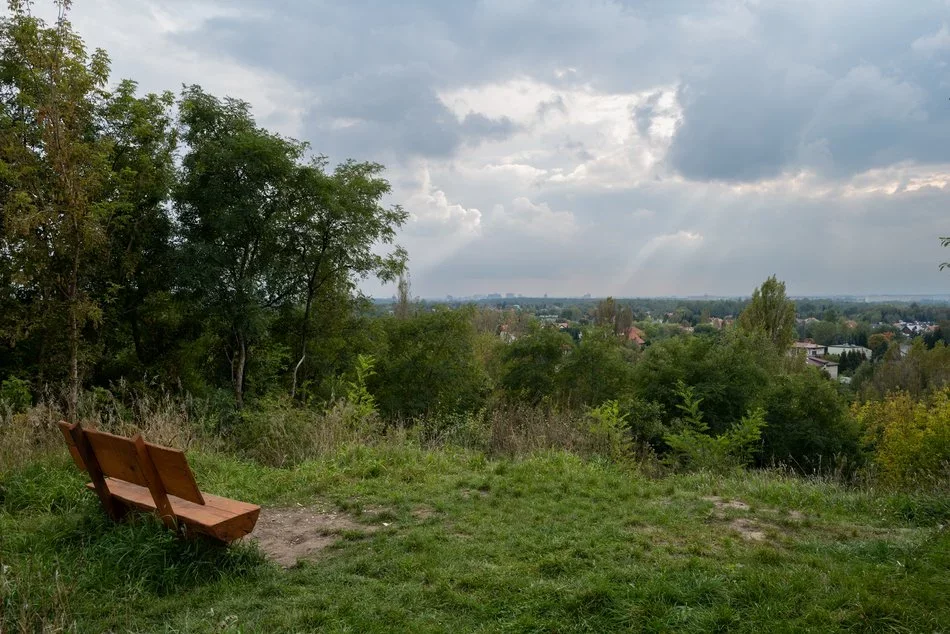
(808,348)
(840,349)
(828,367)
(636,335)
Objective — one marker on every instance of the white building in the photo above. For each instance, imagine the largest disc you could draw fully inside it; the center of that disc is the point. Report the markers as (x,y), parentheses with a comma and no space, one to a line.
(840,349)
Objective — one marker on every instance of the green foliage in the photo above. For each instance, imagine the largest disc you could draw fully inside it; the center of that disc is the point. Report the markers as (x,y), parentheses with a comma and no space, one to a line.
(772,313)
(646,420)
(427,364)
(596,370)
(15,395)
(692,447)
(809,427)
(357,394)
(55,179)
(919,372)
(911,438)
(531,363)
(610,428)
(730,375)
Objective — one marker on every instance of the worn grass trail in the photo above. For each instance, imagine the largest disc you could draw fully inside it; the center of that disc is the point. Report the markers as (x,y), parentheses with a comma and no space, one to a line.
(463,543)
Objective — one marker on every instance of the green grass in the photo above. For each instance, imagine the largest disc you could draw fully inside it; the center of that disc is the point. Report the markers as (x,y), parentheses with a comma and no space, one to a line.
(548,543)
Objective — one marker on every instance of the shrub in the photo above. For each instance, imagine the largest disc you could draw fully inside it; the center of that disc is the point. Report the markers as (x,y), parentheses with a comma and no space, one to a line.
(693,448)
(597,370)
(361,401)
(611,430)
(15,395)
(429,365)
(532,362)
(911,438)
(730,376)
(808,424)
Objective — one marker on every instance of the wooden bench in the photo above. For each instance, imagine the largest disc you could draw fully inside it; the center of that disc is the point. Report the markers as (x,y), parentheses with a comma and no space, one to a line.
(131,473)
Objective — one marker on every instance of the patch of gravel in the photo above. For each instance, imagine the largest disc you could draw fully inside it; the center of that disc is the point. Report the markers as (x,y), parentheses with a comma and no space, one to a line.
(287,535)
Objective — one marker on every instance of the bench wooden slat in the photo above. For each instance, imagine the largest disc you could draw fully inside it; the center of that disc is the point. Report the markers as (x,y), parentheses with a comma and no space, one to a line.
(219,517)
(117,456)
(176,475)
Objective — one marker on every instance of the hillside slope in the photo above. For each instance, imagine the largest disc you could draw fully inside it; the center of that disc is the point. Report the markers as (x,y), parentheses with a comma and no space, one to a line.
(448,541)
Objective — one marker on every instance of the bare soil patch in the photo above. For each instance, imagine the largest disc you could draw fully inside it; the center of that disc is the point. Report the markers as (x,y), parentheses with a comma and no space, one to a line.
(423,512)
(287,535)
(748,530)
(722,504)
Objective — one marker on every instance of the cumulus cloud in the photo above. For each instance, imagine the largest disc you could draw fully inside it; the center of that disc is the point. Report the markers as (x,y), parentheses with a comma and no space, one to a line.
(934,43)
(431,213)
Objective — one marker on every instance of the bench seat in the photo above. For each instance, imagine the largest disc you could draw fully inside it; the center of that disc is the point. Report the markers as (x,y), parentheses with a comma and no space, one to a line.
(218,517)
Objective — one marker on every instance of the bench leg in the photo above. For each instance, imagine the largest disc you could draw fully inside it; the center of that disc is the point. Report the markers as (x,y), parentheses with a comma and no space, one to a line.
(112,507)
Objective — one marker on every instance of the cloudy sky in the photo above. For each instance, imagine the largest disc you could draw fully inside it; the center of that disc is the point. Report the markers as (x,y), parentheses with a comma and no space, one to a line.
(593,146)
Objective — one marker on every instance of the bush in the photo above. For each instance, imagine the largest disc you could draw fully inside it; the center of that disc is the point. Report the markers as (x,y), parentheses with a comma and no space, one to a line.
(15,395)
(694,448)
(429,365)
(611,431)
(911,438)
(597,370)
(532,363)
(808,424)
(730,376)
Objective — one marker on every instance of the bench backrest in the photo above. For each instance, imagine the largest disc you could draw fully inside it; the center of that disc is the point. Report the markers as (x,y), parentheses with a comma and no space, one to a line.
(120,458)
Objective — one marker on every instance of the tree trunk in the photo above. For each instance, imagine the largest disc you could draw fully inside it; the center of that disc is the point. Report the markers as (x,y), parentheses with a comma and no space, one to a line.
(73,402)
(304,334)
(237,372)
(136,334)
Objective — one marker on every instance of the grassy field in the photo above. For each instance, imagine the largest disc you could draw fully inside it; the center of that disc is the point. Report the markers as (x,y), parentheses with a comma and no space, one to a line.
(463,543)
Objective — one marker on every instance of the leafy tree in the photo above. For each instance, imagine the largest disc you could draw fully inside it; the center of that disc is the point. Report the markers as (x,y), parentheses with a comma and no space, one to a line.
(808,424)
(771,312)
(333,233)
(403,306)
(730,375)
(531,363)
(138,272)
(233,203)
(878,343)
(606,312)
(54,166)
(427,365)
(945,242)
(598,369)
